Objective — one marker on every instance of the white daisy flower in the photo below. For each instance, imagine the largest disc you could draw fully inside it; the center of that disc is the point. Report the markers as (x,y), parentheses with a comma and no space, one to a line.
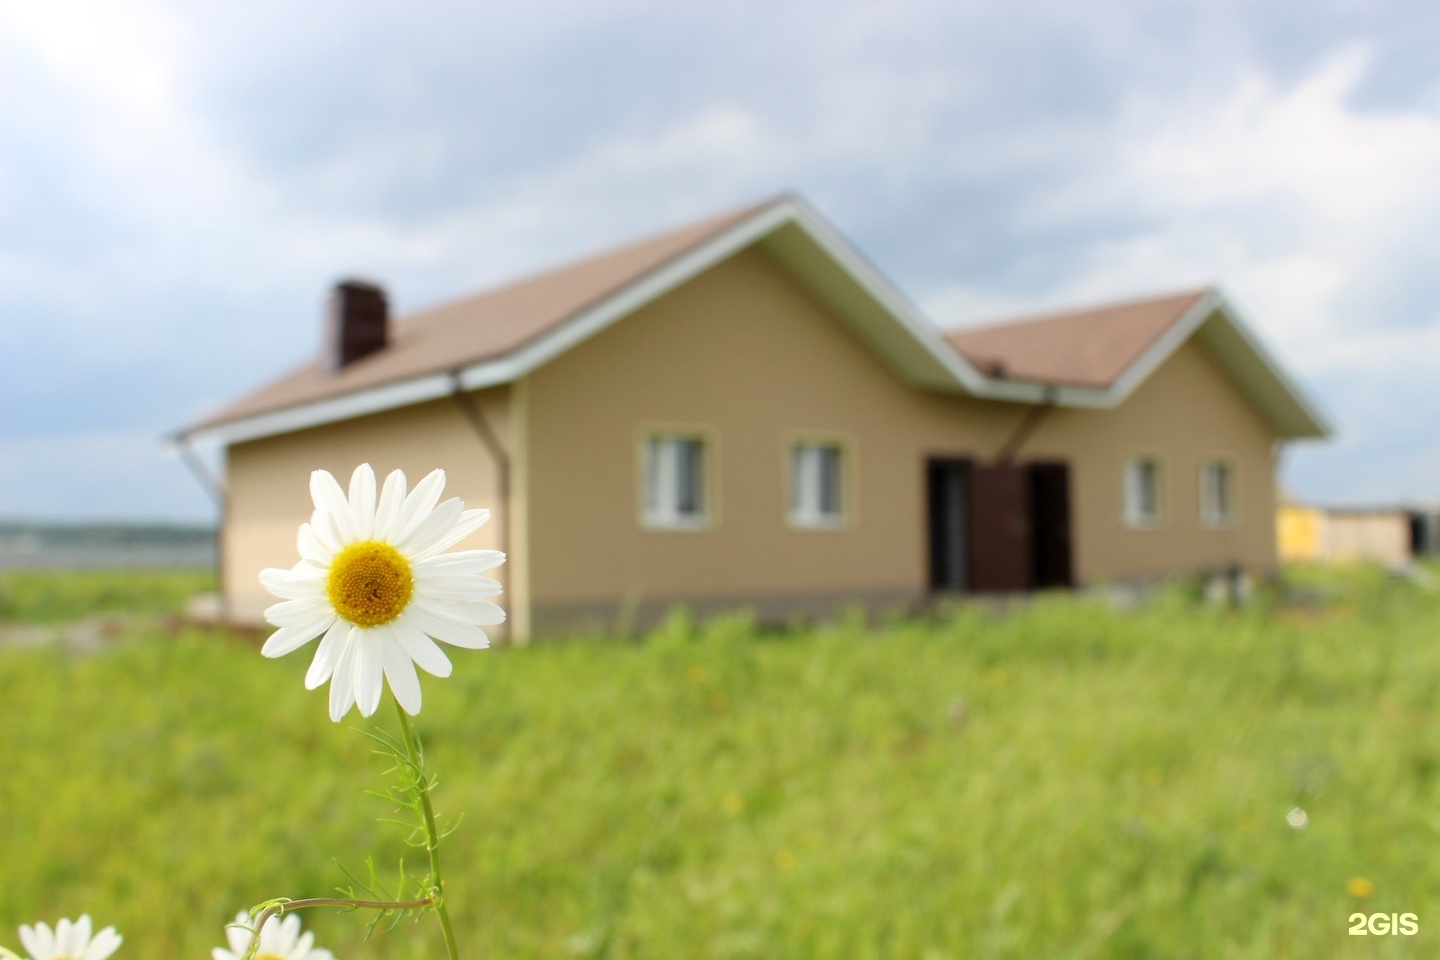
(69,941)
(373,584)
(280,939)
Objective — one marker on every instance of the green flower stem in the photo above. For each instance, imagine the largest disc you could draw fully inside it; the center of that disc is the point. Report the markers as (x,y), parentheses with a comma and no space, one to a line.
(432,837)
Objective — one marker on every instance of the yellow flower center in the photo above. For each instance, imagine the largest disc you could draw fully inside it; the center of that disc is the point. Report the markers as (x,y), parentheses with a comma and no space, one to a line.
(369,583)
(268,956)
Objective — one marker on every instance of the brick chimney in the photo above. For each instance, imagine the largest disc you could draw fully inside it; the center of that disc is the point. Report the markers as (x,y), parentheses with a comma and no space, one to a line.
(357,322)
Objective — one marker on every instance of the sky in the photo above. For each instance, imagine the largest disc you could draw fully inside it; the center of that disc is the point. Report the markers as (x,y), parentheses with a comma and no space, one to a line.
(181,184)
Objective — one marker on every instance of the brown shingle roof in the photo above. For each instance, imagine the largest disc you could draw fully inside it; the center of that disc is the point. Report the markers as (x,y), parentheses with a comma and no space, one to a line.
(1087,348)
(1082,348)
(483,327)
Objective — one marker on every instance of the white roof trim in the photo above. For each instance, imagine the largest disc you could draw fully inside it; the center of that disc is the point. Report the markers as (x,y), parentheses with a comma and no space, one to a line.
(1272,366)
(329,410)
(1030,391)
(651,286)
(888,297)
(623,302)
(1158,352)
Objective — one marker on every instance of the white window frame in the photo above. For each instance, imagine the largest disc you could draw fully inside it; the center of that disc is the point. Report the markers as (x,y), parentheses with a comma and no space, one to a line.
(1135,516)
(807,461)
(664,467)
(1217,501)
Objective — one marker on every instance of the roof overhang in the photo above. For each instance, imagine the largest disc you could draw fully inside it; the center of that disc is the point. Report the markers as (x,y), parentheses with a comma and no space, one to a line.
(798,238)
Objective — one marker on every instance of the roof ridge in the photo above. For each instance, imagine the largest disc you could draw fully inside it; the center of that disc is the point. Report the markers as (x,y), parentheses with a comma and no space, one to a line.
(717,221)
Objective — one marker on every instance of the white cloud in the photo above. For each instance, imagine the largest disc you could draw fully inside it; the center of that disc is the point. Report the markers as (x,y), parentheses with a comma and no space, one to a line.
(148,217)
(1300,204)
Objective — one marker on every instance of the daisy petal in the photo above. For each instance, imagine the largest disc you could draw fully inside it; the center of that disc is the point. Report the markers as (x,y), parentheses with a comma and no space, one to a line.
(327,654)
(469,522)
(420,648)
(289,639)
(342,683)
(429,531)
(461,561)
(447,630)
(369,670)
(308,545)
(400,672)
(80,934)
(481,613)
(330,499)
(296,613)
(417,505)
(326,532)
(239,938)
(62,936)
(433,586)
(392,497)
(106,942)
(28,941)
(288,586)
(37,940)
(362,501)
(338,527)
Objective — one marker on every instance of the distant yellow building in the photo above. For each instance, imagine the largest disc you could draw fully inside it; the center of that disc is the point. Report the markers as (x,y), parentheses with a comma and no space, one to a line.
(1340,535)
(1299,532)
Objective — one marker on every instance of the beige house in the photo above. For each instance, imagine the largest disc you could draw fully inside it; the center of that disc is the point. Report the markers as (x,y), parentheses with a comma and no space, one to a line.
(745,412)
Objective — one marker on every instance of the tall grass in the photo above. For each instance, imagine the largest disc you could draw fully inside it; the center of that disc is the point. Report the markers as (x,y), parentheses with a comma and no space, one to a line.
(1060,780)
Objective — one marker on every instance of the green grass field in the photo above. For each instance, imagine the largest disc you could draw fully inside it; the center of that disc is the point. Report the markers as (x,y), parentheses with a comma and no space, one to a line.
(1116,784)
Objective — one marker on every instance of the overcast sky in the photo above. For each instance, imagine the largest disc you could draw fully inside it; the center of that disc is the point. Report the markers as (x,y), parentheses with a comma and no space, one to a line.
(180,183)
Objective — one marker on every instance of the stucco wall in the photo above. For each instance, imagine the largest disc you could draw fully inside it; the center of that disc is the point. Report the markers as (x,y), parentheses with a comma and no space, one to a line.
(268,482)
(745,355)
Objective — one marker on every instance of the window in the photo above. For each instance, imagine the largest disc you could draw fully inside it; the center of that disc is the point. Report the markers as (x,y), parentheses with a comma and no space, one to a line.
(815,478)
(1142,492)
(675,494)
(1217,494)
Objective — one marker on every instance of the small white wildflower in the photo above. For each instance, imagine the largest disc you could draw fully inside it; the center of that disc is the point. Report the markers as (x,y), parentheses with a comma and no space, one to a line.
(69,941)
(372,580)
(279,940)
(1297,818)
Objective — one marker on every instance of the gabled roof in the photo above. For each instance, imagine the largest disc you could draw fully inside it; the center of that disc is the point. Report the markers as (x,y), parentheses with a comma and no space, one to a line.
(1098,356)
(1082,348)
(1092,358)
(477,328)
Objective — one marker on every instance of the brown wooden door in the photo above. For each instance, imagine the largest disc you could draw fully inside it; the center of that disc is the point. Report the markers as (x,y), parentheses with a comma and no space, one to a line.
(1000,543)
